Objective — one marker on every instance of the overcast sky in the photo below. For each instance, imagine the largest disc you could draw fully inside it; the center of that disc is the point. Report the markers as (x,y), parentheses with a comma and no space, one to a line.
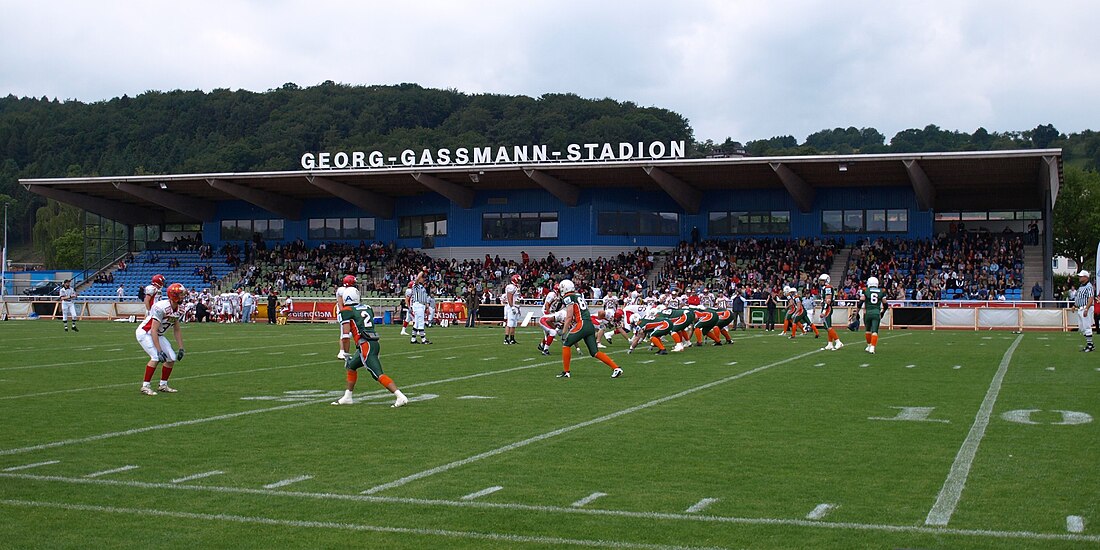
(747,70)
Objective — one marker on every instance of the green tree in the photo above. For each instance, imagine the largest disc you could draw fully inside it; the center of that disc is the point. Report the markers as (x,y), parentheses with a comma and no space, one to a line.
(1077,216)
(68,250)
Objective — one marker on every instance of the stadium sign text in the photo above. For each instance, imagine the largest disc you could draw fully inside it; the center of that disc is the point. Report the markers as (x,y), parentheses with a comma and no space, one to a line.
(473,156)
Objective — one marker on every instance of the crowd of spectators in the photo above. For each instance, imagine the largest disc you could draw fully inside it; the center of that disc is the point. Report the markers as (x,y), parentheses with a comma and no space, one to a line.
(752,267)
(295,267)
(959,265)
(450,277)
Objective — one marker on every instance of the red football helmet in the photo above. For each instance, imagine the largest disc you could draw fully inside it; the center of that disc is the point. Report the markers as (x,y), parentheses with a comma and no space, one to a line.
(516,279)
(176,292)
(693,300)
(349,280)
(412,283)
(618,315)
(158,280)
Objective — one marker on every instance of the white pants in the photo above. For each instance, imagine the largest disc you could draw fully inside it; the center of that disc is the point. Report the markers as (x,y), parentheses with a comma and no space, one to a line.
(68,311)
(1084,323)
(418,315)
(511,316)
(146,341)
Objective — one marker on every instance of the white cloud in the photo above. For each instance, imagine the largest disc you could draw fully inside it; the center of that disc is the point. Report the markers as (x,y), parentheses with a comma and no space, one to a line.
(741,69)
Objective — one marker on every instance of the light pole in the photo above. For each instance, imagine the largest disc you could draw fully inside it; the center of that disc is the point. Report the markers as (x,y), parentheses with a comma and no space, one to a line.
(4,257)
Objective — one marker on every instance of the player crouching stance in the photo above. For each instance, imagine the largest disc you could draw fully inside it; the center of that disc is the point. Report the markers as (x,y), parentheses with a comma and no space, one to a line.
(578,327)
(358,321)
(163,314)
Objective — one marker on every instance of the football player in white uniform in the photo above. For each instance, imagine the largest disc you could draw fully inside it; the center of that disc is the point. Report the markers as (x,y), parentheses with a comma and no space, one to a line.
(164,314)
(152,291)
(341,303)
(511,309)
(68,309)
(550,322)
(408,309)
(550,303)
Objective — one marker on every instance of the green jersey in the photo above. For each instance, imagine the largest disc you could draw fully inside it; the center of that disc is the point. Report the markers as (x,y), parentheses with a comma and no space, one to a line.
(582,319)
(361,319)
(872,300)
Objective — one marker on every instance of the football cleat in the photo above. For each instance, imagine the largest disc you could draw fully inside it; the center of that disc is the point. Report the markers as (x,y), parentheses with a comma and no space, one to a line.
(404,332)
(837,345)
(344,401)
(600,346)
(146,390)
(342,355)
(715,344)
(426,341)
(608,335)
(546,351)
(871,350)
(564,374)
(400,402)
(662,352)
(164,388)
(828,347)
(412,340)
(617,372)
(678,347)
(868,348)
(75,329)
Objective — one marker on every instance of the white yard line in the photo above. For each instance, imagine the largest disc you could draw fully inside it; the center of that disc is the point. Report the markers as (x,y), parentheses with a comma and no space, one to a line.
(227,518)
(483,492)
(125,468)
(32,465)
(700,506)
(558,510)
(567,429)
(228,416)
(588,499)
(819,511)
(285,482)
(193,477)
(953,486)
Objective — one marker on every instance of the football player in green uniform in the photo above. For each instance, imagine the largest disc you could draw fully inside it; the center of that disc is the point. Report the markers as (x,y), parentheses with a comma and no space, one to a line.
(870,299)
(578,327)
(358,320)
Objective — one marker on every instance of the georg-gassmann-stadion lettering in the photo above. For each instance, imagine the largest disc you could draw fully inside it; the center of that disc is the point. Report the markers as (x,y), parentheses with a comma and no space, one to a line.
(472,156)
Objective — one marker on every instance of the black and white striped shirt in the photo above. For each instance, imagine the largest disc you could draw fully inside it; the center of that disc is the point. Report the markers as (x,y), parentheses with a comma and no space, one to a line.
(419,294)
(1083,294)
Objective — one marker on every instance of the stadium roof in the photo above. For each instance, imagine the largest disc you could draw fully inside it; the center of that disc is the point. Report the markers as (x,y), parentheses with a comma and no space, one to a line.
(987,180)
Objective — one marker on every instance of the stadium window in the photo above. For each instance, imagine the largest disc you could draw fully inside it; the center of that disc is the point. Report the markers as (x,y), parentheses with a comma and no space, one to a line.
(274,231)
(749,223)
(853,221)
(832,221)
(1001,216)
(432,225)
(1029,215)
(947,216)
(316,229)
(503,226)
(638,223)
(321,229)
(876,221)
(974,216)
(897,221)
(236,230)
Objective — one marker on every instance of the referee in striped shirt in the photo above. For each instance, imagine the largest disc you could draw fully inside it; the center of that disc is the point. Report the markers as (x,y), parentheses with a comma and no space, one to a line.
(1084,299)
(419,301)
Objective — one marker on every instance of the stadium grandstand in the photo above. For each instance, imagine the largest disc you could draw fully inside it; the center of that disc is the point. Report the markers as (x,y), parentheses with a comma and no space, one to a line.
(934,225)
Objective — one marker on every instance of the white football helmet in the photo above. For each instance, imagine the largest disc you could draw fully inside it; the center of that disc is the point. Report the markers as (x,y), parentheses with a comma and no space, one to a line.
(872,281)
(351,296)
(824,278)
(566,286)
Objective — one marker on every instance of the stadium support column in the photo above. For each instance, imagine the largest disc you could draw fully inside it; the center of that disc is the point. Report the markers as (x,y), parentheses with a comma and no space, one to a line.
(458,194)
(922,186)
(112,210)
(565,192)
(1049,185)
(286,207)
(379,205)
(198,209)
(800,191)
(688,197)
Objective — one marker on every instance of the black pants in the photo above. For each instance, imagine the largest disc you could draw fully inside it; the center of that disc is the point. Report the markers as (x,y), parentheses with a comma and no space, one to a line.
(201,314)
(769,319)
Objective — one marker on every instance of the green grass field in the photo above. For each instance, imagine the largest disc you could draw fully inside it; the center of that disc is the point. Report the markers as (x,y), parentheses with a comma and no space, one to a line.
(768,443)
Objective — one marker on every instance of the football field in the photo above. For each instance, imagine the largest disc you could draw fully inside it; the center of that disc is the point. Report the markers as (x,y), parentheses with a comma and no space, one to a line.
(940,440)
